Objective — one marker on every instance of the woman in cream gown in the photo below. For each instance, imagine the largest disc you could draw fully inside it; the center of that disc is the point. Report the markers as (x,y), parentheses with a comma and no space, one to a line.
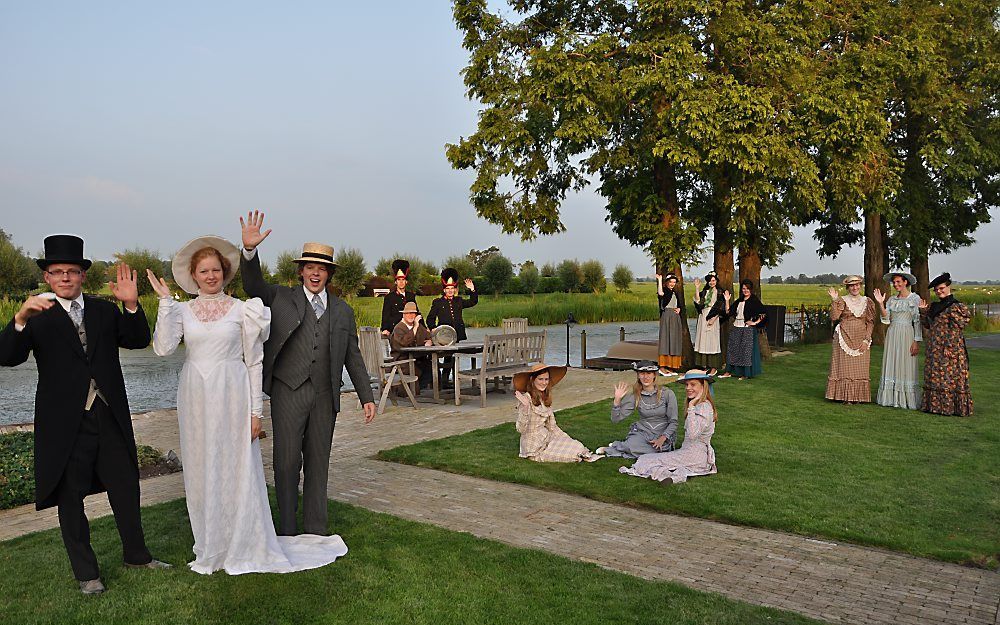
(219,404)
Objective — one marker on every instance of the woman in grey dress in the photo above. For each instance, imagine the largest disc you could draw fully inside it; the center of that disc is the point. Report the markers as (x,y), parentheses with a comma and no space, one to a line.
(656,428)
(900,386)
(672,319)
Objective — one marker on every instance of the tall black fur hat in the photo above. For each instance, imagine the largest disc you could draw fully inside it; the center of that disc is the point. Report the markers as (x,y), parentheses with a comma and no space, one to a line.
(449,277)
(944,278)
(400,268)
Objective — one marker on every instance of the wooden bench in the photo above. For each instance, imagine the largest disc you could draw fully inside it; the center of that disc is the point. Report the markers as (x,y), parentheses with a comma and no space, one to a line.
(503,356)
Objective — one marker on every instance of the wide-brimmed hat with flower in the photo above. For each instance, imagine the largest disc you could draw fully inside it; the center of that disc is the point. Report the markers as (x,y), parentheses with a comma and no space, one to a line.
(556,373)
(180,266)
(849,280)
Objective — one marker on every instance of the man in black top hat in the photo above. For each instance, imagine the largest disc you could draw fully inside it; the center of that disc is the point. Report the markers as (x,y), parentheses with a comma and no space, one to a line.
(393,303)
(83,428)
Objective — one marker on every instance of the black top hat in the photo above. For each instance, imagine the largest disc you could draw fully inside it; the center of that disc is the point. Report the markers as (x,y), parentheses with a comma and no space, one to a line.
(400,268)
(449,277)
(944,278)
(63,248)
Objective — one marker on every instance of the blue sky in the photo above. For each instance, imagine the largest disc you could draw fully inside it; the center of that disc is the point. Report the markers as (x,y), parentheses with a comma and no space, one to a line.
(142,124)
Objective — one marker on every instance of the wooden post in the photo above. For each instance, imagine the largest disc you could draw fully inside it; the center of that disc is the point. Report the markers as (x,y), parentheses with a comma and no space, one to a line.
(621,333)
(802,323)
(583,348)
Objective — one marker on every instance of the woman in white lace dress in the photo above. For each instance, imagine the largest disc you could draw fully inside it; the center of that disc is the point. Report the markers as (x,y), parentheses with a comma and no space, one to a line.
(696,456)
(219,405)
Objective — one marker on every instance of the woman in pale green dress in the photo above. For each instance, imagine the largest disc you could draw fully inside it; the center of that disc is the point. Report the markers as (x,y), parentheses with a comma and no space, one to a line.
(900,385)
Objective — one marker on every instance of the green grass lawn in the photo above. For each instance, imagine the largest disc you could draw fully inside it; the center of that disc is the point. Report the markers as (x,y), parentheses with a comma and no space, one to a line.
(790,460)
(396,572)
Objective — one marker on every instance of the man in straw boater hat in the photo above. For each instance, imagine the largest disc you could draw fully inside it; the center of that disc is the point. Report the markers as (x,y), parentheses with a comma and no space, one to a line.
(946,365)
(447,310)
(313,338)
(83,428)
(393,302)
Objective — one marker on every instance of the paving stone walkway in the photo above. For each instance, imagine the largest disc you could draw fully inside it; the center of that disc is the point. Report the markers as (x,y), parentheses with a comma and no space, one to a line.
(839,583)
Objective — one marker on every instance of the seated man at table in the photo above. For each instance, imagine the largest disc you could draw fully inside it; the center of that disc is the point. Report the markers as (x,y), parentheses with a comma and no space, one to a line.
(410,333)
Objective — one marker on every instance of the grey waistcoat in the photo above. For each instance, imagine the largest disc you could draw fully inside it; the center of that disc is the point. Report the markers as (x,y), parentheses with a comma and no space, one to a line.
(306,354)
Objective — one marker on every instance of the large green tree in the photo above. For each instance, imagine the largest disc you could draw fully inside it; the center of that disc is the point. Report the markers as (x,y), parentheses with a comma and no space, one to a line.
(692,117)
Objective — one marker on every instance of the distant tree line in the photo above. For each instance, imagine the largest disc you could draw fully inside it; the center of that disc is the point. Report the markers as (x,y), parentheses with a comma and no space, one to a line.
(492,272)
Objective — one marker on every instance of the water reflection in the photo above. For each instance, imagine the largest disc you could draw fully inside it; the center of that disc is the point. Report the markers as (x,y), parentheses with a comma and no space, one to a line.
(151,380)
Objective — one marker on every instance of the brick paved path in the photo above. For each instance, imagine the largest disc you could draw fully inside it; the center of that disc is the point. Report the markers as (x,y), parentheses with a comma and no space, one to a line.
(834,582)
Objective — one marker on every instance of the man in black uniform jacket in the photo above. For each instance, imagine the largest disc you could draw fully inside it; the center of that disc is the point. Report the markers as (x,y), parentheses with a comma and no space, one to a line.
(83,429)
(447,310)
(392,303)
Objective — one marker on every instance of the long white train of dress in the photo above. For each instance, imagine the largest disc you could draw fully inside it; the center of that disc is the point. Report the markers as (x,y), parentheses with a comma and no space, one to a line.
(220,387)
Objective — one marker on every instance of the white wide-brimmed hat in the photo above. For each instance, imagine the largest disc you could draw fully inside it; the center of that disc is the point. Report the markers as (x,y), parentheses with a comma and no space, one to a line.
(181,264)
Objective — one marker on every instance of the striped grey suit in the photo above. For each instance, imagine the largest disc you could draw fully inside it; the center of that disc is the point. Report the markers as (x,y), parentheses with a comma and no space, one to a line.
(304,360)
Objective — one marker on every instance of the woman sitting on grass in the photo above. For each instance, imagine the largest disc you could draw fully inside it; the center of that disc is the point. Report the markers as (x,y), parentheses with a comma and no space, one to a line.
(541,438)
(696,456)
(657,425)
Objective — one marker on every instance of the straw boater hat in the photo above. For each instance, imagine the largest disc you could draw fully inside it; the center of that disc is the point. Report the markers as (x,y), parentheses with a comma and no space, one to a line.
(317,253)
(696,374)
(909,277)
(410,307)
(556,373)
(181,264)
(449,277)
(400,268)
(63,248)
(853,280)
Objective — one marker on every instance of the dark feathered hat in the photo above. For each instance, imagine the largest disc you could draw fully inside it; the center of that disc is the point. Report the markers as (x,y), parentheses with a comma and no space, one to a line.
(449,277)
(944,278)
(400,268)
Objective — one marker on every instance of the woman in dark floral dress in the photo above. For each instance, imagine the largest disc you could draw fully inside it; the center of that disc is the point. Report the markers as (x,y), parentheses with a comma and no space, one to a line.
(946,367)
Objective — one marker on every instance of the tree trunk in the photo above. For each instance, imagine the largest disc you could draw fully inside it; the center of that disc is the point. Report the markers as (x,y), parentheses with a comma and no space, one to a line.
(750,267)
(876,263)
(666,179)
(723,263)
(921,271)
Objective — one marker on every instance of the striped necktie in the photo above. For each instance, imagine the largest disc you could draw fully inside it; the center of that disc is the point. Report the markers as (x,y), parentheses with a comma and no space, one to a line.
(76,314)
(317,304)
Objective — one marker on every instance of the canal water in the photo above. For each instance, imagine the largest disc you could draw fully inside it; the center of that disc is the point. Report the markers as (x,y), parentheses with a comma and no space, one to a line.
(152,380)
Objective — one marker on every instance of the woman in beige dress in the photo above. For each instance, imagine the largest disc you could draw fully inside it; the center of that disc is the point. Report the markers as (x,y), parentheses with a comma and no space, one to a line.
(853,316)
(541,438)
